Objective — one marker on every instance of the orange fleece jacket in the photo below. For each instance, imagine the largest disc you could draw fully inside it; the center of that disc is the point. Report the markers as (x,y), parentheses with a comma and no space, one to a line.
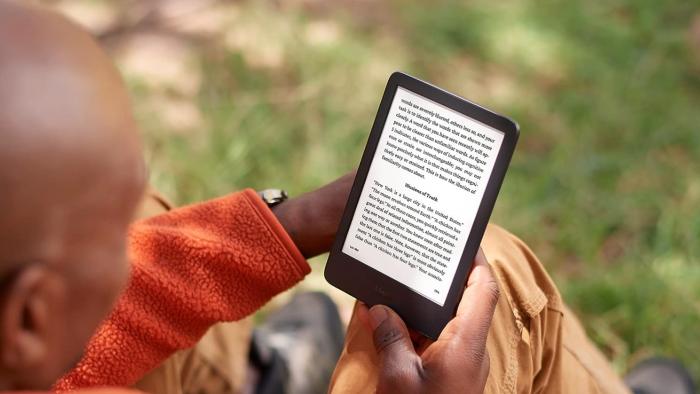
(192,267)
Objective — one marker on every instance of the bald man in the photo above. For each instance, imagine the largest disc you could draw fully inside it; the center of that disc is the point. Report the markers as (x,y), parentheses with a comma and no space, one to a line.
(71,177)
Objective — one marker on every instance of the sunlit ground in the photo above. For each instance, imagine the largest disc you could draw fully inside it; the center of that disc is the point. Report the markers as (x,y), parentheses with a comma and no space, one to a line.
(605,183)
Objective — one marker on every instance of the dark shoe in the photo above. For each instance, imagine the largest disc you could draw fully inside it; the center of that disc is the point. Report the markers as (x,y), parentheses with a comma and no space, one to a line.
(659,375)
(306,335)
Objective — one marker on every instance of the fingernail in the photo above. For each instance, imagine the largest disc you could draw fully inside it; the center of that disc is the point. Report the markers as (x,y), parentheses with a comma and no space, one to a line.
(377,315)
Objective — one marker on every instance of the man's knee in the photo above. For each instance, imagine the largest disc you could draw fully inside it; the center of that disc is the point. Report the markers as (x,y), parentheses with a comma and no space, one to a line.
(522,277)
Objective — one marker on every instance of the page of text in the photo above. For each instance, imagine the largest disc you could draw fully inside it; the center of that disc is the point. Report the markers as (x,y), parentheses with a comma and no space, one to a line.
(422,194)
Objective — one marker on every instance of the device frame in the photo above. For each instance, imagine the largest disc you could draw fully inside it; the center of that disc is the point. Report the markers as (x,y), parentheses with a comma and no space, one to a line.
(373,287)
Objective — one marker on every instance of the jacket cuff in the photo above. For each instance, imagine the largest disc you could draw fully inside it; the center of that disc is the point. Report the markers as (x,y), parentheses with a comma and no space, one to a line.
(268,217)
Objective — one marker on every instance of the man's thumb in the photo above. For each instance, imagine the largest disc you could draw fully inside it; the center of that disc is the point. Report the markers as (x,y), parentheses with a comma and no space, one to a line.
(391,339)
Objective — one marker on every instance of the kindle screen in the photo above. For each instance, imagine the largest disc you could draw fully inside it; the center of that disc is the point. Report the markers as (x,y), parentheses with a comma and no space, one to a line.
(422,193)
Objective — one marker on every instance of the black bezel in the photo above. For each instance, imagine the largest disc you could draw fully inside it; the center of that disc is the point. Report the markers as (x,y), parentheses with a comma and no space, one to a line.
(371,286)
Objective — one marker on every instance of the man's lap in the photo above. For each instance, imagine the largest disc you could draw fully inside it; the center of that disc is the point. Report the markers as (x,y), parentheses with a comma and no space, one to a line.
(535,343)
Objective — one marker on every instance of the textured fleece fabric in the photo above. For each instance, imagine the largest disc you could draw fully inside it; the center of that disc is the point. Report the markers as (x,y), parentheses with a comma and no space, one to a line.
(190,268)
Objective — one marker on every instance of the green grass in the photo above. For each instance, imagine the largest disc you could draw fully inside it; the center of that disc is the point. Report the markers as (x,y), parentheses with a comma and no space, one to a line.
(604,185)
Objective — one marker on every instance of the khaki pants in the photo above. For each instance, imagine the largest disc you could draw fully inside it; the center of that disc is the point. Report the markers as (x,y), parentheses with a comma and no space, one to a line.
(535,343)
(217,364)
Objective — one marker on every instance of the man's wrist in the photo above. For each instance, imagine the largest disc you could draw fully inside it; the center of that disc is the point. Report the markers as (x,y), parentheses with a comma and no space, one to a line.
(312,219)
(290,215)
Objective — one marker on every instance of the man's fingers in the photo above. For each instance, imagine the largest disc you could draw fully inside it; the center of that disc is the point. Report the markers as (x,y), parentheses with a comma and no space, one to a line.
(478,303)
(482,288)
(392,342)
(389,331)
(481,271)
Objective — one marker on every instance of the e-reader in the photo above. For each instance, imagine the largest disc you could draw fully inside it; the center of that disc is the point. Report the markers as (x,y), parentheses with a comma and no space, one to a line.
(421,200)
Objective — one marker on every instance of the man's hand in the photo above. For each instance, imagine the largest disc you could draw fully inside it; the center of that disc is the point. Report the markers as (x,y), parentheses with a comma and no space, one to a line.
(312,219)
(457,362)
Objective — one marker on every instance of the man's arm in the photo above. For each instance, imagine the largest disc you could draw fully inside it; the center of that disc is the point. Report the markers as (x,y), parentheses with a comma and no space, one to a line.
(192,267)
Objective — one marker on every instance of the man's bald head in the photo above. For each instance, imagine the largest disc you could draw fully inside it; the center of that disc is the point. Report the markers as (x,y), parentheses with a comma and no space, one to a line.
(67,132)
(71,175)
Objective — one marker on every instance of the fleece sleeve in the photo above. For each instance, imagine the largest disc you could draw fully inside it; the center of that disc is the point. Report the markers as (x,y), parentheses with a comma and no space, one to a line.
(192,267)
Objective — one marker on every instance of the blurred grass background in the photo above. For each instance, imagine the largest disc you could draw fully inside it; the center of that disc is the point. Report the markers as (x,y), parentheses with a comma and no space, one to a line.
(604,185)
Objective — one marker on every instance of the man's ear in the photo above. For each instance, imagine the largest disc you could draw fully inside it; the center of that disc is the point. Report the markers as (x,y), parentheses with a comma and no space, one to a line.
(24,320)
